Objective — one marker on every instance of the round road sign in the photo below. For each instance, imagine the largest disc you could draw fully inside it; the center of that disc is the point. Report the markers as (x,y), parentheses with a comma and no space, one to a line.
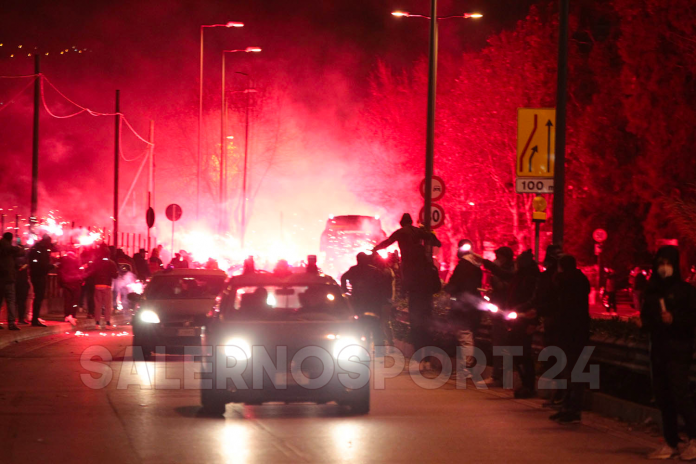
(437,188)
(150,218)
(173,212)
(437,216)
(599,235)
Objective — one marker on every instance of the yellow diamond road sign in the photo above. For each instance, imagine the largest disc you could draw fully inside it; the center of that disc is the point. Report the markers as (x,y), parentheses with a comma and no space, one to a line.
(536,139)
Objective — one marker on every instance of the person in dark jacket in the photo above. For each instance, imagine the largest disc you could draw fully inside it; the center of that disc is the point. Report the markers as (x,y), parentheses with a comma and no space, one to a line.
(571,322)
(8,255)
(463,286)
(141,267)
(104,271)
(523,289)
(502,270)
(39,267)
(669,316)
(87,258)
(22,286)
(420,279)
(546,304)
(70,279)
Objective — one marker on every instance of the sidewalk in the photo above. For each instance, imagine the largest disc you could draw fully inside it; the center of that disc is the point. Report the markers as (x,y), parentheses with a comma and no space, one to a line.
(55,325)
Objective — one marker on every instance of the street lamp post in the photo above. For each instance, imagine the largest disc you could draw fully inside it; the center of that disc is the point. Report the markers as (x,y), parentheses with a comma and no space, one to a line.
(223,137)
(200,109)
(246,161)
(432,90)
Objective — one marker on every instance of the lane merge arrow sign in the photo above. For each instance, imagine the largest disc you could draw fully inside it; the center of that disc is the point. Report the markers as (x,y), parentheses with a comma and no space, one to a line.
(535,150)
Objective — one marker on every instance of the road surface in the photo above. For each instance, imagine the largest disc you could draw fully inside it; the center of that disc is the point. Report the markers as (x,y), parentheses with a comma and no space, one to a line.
(48,415)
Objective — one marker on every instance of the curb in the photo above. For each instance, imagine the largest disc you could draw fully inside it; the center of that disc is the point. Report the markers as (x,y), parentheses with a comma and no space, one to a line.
(26,333)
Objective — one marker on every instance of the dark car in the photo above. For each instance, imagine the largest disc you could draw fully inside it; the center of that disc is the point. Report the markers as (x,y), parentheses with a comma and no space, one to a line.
(173,308)
(285,337)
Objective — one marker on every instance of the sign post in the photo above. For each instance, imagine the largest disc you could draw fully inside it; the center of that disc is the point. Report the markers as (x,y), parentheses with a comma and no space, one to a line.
(535,150)
(173,213)
(437,213)
(539,216)
(599,236)
(437,216)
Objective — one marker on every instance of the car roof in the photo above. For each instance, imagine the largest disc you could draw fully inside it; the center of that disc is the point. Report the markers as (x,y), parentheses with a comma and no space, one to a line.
(190,272)
(280,280)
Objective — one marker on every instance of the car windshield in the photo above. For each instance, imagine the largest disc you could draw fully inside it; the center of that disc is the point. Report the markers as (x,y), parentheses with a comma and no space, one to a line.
(168,287)
(293,302)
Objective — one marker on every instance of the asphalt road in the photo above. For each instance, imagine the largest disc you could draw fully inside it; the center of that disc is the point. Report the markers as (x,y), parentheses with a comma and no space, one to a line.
(47,414)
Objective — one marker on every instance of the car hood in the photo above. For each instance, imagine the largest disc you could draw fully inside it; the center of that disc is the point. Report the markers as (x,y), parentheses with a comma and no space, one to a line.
(286,333)
(168,309)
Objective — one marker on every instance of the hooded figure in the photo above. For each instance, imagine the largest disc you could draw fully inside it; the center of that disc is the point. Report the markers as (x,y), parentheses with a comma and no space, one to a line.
(420,276)
(669,316)
(523,289)
(464,287)
(571,322)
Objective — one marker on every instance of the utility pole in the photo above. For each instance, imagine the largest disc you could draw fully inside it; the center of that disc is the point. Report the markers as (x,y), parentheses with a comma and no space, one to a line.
(151,177)
(561,98)
(35,146)
(246,162)
(430,134)
(117,150)
(223,151)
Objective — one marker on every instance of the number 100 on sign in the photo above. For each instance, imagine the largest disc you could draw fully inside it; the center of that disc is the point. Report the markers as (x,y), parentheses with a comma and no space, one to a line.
(532,185)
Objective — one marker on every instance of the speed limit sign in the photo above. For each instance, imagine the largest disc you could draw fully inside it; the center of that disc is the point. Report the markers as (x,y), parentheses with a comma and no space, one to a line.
(437,216)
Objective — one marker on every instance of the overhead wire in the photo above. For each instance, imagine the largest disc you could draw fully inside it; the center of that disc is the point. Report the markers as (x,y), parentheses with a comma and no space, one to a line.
(12,100)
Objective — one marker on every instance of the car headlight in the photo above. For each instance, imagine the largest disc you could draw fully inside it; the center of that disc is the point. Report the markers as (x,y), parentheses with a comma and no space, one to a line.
(238,348)
(149,317)
(348,347)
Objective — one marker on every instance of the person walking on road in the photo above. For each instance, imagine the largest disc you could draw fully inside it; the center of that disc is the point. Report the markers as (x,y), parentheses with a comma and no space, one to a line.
(369,288)
(104,273)
(70,279)
(8,254)
(523,289)
(22,286)
(39,267)
(571,327)
(669,316)
(463,286)
(502,270)
(610,287)
(420,276)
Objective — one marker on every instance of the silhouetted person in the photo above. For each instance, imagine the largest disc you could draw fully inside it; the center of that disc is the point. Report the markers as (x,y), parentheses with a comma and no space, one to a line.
(178,262)
(419,274)
(70,279)
(155,262)
(610,287)
(640,283)
(39,267)
(22,286)
(571,326)
(464,287)
(669,316)
(142,270)
(104,272)
(502,270)
(523,289)
(8,255)
(545,304)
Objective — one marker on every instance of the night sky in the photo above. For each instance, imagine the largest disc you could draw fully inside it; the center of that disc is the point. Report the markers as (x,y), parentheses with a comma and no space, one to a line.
(321,53)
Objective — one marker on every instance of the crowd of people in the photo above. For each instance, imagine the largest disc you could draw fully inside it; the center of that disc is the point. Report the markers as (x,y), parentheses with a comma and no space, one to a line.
(551,298)
(96,277)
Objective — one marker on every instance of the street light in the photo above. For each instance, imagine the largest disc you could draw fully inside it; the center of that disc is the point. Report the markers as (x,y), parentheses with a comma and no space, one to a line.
(223,123)
(248,91)
(432,87)
(229,24)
